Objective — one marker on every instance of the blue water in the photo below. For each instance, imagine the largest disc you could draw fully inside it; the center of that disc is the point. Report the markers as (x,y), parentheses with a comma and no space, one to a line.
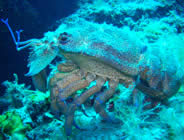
(35,18)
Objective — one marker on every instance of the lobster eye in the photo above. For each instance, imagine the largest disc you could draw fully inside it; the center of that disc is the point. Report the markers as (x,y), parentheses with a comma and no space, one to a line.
(65,33)
(63,38)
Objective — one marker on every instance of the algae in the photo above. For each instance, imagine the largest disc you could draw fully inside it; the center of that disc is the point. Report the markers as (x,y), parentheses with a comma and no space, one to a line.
(11,124)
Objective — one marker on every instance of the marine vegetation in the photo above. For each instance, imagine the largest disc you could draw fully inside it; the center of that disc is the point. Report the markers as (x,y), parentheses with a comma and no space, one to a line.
(99,53)
(163,121)
(11,124)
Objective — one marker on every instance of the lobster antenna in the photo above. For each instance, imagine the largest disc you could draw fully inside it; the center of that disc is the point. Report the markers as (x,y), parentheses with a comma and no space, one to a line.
(25,44)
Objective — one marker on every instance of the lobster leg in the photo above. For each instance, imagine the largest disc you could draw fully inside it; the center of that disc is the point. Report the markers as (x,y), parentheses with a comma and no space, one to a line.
(102,98)
(69,90)
(56,85)
(66,67)
(80,100)
(63,68)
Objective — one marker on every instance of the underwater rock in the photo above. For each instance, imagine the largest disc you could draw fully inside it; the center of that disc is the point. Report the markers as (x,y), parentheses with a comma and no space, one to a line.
(136,15)
(46,131)
(115,12)
(38,104)
(17,100)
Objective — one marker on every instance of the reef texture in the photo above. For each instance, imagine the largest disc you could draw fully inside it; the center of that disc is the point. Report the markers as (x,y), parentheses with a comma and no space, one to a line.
(109,49)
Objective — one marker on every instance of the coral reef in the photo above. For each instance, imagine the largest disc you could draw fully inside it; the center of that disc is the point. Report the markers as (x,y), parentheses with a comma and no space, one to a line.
(164,121)
(26,107)
(151,18)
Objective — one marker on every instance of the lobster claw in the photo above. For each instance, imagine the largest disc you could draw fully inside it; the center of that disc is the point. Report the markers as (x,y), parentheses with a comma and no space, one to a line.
(40,58)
